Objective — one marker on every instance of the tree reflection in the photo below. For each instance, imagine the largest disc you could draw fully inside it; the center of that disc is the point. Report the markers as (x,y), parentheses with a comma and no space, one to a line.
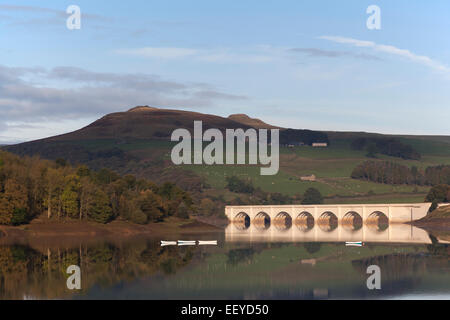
(236,256)
(29,273)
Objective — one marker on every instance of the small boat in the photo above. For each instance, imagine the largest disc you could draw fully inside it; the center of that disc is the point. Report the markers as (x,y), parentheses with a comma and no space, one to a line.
(187,243)
(207,243)
(354,244)
(168,243)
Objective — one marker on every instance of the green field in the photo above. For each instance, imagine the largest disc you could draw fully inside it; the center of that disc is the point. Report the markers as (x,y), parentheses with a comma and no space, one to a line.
(332,167)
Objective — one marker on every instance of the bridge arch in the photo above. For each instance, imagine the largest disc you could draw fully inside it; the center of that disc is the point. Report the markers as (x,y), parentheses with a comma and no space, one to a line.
(304,221)
(242,221)
(328,221)
(377,220)
(352,220)
(283,221)
(262,221)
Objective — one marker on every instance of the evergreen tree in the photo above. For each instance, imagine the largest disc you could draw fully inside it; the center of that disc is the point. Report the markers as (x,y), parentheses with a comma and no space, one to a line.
(312,196)
(100,209)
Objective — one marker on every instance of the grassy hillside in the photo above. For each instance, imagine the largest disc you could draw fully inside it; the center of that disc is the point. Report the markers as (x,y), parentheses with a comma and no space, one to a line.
(440,213)
(118,141)
(332,166)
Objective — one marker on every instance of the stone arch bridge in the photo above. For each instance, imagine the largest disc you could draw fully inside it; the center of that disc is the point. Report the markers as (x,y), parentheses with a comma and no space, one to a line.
(306,216)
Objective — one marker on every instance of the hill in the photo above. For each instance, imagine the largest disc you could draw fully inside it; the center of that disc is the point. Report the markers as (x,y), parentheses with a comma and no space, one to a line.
(251,122)
(138,142)
(144,122)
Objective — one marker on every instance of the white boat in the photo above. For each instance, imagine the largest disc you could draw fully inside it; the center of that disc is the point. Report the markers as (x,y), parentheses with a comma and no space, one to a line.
(207,243)
(168,243)
(354,244)
(187,243)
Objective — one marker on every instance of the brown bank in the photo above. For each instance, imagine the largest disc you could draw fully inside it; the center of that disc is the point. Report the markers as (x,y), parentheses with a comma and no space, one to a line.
(55,230)
(439,219)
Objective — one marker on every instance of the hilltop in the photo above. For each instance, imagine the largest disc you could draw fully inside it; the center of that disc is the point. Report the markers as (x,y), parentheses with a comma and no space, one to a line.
(251,122)
(144,122)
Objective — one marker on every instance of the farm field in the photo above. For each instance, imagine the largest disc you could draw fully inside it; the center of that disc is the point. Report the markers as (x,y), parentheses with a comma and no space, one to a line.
(332,166)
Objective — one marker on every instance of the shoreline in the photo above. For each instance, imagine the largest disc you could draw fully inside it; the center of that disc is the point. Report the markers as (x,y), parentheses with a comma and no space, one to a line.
(71,232)
(436,224)
(438,220)
(54,230)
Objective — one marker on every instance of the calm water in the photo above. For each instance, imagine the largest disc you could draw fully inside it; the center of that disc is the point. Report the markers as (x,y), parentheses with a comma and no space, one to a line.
(247,264)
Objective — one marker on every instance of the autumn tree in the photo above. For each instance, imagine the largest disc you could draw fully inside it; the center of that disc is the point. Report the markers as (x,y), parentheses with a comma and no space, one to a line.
(152,206)
(70,196)
(100,209)
(31,186)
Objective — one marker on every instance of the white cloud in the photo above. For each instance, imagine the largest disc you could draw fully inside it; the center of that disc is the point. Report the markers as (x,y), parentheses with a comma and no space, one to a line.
(354,42)
(88,94)
(424,60)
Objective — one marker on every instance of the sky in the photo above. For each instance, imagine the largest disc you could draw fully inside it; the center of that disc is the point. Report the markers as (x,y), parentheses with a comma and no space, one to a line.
(297,64)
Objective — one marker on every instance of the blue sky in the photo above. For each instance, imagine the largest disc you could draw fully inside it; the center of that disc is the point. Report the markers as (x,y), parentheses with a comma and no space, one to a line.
(299,64)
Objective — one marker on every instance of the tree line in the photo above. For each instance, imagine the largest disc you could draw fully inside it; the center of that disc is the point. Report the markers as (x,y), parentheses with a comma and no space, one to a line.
(310,196)
(30,186)
(388,172)
(247,194)
(296,136)
(386,146)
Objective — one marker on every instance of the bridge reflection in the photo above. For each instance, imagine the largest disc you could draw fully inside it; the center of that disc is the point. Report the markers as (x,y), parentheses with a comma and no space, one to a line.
(326,229)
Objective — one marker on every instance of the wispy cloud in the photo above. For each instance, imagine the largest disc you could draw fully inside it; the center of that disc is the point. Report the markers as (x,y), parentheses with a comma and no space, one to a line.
(213,55)
(9,7)
(316,52)
(35,16)
(159,53)
(258,54)
(389,49)
(34,9)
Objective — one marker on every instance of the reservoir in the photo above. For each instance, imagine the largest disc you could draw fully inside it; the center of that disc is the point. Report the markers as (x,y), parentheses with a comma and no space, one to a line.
(303,261)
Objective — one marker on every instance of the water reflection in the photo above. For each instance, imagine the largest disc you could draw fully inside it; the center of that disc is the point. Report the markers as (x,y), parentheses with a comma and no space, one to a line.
(327,229)
(328,221)
(310,270)
(259,261)
(403,272)
(304,221)
(262,221)
(282,221)
(27,272)
(352,221)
